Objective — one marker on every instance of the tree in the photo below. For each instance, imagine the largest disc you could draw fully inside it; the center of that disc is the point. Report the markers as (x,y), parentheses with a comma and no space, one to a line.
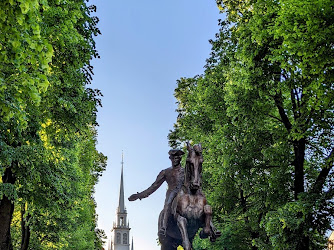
(48,117)
(264,112)
(22,81)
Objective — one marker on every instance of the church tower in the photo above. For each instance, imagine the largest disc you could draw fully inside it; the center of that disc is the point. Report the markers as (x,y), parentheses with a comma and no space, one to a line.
(121,229)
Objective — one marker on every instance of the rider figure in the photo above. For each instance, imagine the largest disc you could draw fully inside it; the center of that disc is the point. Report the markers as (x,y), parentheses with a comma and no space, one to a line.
(174,176)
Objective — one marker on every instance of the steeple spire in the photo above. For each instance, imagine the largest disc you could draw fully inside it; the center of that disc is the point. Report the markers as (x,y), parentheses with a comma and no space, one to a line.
(132,244)
(121,207)
(121,229)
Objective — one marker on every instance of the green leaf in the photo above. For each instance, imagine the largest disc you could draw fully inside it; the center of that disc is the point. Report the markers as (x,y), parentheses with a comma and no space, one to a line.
(16,44)
(25,7)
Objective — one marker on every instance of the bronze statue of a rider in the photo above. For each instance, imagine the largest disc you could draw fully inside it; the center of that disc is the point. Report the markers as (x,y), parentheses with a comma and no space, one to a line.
(174,176)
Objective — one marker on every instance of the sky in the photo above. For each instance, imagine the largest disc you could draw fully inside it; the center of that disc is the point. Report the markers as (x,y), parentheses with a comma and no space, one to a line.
(145,47)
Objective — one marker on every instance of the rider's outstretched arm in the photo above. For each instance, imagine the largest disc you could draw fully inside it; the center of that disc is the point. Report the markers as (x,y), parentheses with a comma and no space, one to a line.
(158,182)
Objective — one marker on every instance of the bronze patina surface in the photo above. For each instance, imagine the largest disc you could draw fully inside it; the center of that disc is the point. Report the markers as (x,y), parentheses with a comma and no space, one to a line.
(185,209)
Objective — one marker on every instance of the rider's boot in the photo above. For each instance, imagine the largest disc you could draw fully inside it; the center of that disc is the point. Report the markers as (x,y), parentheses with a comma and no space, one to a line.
(163,228)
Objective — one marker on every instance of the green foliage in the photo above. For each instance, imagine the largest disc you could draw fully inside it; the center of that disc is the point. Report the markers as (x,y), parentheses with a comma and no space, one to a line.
(24,58)
(263,111)
(48,158)
(8,190)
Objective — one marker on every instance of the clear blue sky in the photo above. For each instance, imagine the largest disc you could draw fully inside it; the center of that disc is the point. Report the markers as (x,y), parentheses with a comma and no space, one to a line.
(145,47)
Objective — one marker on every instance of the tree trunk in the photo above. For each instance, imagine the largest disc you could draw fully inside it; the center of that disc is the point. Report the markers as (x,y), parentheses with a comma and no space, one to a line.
(254,235)
(6,214)
(25,229)
(299,150)
(304,242)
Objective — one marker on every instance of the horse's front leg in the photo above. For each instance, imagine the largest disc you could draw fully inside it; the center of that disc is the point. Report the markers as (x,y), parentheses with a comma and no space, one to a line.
(182,224)
(207,222)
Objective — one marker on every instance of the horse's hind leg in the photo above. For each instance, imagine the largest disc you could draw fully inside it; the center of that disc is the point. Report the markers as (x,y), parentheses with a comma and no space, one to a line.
(182,224)
(168,244)
(167,247)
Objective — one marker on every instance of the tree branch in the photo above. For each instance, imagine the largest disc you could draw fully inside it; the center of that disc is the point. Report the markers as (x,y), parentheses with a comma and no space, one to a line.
(319,183)
(274,117)
(284,117)
(294,105)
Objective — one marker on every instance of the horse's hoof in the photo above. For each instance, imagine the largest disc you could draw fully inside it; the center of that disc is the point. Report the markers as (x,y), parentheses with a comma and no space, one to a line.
(203,235)
(212,239)
(218,234)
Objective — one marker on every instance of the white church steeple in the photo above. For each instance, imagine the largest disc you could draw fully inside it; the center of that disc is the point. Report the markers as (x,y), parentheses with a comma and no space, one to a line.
(121,229)
(121,206)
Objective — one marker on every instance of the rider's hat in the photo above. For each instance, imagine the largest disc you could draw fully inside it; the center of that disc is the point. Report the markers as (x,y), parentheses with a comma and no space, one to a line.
(175,152)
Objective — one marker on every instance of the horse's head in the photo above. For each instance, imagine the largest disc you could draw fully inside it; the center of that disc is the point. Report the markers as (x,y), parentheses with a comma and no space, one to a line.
(194,167)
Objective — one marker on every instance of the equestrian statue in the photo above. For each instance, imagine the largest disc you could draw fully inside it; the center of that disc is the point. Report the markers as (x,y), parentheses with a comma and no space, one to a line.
(185,209)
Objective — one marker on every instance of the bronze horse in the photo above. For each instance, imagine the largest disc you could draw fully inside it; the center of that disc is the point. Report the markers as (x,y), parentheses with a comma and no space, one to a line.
(190,211)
